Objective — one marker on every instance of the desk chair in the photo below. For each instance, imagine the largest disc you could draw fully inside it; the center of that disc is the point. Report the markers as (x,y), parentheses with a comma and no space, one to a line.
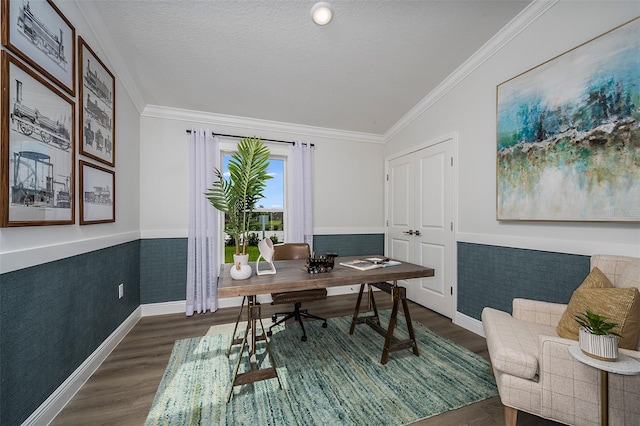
(291,251)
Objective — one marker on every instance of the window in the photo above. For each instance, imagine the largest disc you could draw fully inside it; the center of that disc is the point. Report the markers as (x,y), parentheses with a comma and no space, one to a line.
(269,216)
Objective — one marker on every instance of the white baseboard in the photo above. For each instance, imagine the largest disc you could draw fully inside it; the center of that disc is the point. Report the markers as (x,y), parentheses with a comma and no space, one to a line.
(469,323)
(164,308)
(50,408)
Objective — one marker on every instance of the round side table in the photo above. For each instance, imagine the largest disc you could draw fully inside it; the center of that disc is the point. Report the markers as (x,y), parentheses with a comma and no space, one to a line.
(624,365)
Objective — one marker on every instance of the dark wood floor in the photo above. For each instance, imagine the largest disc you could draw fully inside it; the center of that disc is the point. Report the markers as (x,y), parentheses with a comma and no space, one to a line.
(121,391)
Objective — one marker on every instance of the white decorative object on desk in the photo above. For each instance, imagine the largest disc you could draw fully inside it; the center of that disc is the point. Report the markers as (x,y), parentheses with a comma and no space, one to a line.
(266,252)
(240,270)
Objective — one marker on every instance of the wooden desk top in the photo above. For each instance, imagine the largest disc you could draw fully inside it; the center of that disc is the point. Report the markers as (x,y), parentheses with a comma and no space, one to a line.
(291,276)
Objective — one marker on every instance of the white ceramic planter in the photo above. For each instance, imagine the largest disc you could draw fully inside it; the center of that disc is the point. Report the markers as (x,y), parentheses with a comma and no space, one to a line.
(240,270)
(604,348)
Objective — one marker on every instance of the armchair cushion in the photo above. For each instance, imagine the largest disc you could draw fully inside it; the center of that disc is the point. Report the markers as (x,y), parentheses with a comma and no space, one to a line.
(619,305)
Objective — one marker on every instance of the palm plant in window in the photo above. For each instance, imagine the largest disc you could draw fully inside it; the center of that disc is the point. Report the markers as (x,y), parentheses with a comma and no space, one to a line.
(237,196)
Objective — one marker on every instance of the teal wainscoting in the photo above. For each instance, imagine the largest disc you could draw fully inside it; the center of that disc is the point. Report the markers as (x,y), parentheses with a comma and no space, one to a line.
(163,261)
(163,270)
(493,276)
(349,244)
(54,316)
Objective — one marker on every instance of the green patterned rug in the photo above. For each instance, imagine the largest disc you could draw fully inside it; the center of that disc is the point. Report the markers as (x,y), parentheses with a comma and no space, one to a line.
(332,379)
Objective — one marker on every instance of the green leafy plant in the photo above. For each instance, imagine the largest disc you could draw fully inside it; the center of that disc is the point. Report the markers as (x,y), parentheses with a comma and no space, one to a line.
(238,195)
(596,324)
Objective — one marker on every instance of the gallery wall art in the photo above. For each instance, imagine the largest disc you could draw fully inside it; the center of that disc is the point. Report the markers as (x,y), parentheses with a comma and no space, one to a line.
(38,155)
(97,194)
(97,106)
(568,134)
(38,33)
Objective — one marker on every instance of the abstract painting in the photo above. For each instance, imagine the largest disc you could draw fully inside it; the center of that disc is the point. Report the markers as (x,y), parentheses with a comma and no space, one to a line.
(568,134)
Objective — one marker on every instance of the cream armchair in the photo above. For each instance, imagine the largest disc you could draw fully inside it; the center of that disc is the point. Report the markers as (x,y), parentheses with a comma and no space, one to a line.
(535,372)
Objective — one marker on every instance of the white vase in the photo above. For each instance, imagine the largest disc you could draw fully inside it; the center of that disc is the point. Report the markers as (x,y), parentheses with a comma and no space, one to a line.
(240,270)
(604,348)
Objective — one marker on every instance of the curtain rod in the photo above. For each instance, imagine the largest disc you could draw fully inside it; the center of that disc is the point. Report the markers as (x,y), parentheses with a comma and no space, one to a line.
(243,137)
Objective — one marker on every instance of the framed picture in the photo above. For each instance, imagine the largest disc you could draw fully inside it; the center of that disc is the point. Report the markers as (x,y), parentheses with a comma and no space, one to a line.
(97,194)
(38,156)
(38,33)
(568,135)
(97,107)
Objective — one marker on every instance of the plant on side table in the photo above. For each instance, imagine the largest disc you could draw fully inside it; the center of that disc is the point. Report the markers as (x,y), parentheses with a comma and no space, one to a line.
(596,336)
(237,196)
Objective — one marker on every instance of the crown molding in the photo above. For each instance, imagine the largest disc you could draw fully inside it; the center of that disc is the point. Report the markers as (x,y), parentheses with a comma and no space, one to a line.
(107,48)
(255,124)
(528,15)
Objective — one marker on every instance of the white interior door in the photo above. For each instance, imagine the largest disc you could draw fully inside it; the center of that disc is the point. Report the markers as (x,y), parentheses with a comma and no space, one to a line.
(420,222)
(401,210)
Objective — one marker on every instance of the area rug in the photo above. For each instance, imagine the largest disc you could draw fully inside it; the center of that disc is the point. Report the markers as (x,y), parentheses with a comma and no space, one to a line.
(331,379)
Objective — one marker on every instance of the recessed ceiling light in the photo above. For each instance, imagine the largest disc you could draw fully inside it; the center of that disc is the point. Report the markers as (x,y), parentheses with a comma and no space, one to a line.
(321,13)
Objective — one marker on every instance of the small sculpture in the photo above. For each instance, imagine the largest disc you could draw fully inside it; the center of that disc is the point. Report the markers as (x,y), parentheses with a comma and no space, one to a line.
(316,265)
(266,252)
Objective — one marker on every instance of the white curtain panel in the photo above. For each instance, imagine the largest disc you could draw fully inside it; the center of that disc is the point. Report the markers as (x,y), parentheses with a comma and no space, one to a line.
(300,204)
(204,234)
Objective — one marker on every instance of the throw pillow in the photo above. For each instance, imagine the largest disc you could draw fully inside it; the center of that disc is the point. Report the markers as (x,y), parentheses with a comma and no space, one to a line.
(619,305)
(595,279)
(567,326)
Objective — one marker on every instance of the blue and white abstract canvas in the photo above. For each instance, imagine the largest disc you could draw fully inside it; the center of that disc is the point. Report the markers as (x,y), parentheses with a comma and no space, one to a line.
(568,134)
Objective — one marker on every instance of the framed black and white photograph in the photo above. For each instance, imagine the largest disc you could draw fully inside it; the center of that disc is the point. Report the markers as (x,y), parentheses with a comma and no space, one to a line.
(38,154)
(39,34)
(97,107)
(97,194)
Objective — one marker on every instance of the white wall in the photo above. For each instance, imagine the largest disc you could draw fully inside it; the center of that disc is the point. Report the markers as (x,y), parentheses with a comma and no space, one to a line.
(348,173)
(26,246)
(469,108)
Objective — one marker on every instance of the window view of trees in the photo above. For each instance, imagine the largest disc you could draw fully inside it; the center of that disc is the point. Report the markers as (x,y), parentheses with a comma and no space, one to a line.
(268,217)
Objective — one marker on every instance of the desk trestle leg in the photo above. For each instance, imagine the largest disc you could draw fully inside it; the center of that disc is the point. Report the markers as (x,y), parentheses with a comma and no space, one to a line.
(256,373)
(236,340)
(391,344)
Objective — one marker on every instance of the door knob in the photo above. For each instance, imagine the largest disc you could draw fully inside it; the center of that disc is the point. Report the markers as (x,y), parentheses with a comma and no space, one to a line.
(417,232)
(410,232)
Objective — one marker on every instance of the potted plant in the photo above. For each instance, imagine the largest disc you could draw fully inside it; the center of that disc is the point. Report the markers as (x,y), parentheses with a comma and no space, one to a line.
(596,336)
(238,195)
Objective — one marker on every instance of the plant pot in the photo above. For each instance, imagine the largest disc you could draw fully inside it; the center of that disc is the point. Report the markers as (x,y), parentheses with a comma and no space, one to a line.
(602,347)
(240,270)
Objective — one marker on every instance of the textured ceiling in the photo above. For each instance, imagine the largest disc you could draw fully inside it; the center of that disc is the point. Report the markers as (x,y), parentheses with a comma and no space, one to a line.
(267,60)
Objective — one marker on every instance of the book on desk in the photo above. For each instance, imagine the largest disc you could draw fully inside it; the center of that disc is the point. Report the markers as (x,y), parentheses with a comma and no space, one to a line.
(370,263)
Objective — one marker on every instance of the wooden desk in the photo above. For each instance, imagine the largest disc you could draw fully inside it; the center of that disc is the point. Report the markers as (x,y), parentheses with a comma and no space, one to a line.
(291,276)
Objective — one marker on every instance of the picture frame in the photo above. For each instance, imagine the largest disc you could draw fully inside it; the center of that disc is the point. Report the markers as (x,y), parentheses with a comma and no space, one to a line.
(568,137)
(38,33)
(97,99)
(97,194)
(37,159)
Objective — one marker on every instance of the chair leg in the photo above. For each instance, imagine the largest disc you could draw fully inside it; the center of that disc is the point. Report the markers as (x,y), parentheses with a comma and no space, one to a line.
(297,314)
(280,321)
(308,315)
(510,416)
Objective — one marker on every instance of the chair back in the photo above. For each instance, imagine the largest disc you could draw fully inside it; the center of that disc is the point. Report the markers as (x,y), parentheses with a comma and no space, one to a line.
(291,251)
